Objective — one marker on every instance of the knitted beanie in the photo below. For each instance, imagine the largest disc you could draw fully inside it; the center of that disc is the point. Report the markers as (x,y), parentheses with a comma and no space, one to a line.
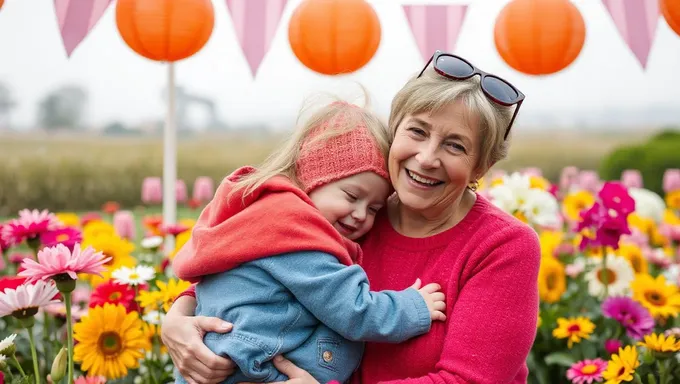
(324,161)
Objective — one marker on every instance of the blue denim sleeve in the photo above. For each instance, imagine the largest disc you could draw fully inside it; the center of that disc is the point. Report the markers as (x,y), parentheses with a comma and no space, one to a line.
(340,297)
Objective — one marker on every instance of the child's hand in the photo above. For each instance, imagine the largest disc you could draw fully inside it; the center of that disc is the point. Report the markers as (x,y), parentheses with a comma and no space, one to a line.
(433,298)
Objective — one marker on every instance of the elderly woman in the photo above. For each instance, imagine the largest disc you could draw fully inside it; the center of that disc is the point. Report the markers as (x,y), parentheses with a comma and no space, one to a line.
(449,126)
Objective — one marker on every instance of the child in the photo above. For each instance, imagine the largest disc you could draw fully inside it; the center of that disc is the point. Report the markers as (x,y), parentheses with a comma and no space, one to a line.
(273,254)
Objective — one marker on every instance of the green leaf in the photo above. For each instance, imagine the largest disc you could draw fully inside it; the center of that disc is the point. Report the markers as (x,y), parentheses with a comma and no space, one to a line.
(560,358)
(651,379)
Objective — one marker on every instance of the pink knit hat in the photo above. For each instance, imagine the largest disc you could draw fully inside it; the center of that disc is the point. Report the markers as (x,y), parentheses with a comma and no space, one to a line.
(350,153)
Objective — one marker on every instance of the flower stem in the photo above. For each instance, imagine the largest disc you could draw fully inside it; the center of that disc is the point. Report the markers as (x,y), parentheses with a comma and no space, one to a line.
(5,258)
(69,335)
(34,355)
(16,362)
(605,272)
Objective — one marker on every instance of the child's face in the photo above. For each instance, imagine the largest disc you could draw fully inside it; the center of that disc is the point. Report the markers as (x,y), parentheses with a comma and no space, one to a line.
(350,204)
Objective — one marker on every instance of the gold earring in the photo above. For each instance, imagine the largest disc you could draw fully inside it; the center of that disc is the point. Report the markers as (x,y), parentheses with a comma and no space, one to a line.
(473,186)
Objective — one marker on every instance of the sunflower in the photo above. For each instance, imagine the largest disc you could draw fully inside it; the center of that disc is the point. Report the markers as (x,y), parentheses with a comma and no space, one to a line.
(622,366)
(633,254)
(576,202)
(96,228)
(669,217)
(69,219)
(673,199)
(549,241)
(573,328)
(115,247)
(660,298)
(110,341)
(150,300)
(539,182)
(170,290)
(552,280)
(660,343)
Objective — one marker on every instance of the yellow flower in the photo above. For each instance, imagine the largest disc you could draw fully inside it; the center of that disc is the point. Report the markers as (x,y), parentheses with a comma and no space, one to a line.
(660,343)
(622,366)
(180,240)
(150,300)
(69,219)
(152,332)
(113,246)
(633,254)
(573,328)
(576,202)
(96,228)
(673,199)
(110,341)
(549,241)
(552,280)
(521,217)
(669,217)
(539,322)
(661,299)
(496,181)
(189,223)
(171,290)
(539,182)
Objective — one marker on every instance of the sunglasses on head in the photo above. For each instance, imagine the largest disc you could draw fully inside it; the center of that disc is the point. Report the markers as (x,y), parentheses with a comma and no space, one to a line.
(495,88)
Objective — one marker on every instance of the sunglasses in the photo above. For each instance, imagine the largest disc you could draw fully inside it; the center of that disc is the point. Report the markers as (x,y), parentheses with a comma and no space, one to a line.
(498,90)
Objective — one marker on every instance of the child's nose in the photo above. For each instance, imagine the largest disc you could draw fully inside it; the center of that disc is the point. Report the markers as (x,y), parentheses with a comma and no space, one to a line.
(359,214)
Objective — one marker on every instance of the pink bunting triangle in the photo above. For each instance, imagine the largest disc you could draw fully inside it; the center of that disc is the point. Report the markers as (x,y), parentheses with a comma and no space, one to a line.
(255,22)
(76,18)
(435,26)
(636,21)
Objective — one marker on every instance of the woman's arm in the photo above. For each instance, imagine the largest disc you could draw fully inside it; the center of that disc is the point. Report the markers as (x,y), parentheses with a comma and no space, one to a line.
(493,323)
(182,334)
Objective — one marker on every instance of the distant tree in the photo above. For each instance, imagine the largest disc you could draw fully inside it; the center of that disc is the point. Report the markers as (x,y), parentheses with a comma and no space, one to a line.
(62,108)
(119,129)
(7,103)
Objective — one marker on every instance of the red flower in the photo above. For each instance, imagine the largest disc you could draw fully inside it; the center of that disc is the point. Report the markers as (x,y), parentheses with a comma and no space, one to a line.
(10,282)
(173,229)
(110,207)
(114,293)
(90,216)
(152,223)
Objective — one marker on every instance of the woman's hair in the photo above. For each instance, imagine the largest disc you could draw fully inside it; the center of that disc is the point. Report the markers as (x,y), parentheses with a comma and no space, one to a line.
(337,118)
(432,91)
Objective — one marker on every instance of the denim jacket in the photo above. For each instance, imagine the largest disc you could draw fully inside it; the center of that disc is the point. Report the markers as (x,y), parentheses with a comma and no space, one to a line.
(308,307)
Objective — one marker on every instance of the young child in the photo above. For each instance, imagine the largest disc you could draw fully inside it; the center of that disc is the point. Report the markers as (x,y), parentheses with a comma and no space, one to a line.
(273,255)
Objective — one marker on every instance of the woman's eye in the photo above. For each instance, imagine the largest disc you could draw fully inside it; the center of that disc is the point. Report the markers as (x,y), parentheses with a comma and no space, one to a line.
(417,131)
(456,147)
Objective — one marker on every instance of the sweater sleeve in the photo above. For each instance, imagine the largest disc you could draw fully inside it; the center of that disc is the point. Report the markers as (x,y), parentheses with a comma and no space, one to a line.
(492,325)
(191,291)
(339,296)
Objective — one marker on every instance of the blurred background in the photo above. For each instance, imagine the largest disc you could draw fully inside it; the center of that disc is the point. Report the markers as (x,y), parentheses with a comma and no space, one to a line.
(82,123)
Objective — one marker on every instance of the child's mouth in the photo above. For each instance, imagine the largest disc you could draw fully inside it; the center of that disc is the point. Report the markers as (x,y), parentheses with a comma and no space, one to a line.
(347,228)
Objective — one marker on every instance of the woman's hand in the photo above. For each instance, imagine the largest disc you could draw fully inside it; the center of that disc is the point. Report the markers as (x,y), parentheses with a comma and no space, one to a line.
(182,334)
(295,375)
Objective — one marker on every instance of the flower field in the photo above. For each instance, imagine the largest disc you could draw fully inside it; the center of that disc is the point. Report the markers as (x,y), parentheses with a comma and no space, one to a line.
(83,295)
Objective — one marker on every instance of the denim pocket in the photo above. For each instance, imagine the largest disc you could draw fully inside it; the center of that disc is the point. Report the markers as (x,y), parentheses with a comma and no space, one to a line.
(328,353)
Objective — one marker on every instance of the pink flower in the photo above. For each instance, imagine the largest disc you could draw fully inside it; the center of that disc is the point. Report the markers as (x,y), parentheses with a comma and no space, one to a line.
(67,236)
(612,346)
(4,244)
(29,225)
(589,180)
(574,269)
(608,216)
(636,237)
(532,171)
(631,178)
(90,380)
(671,180)
(670,231)
(204,189)
(26,299)
(124,224)
(60,260)
(587,371)
(615,196)
(18,257)
(81,295)
(658,257)
(59,310)
(152,190)
(173,229)
(568,177)
(181,191)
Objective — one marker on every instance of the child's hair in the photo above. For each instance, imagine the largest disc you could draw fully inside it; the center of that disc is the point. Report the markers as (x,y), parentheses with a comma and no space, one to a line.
(331,122)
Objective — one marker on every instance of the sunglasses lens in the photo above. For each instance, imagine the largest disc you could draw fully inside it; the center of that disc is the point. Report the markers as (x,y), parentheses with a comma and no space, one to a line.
(499,89)
(453,66)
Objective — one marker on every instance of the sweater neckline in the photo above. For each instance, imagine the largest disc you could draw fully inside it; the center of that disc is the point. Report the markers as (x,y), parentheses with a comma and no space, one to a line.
(391,237)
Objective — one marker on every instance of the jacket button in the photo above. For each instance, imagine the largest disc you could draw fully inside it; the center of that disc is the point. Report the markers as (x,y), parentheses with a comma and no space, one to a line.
(328,356)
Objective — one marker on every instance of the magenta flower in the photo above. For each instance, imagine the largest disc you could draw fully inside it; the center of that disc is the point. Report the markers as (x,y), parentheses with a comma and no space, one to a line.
(67,236)
(29,225)
(587,371)
(635,318)
(26,299)
(59,260)
(4,244)
(615,196)
(612,346)
(608,217)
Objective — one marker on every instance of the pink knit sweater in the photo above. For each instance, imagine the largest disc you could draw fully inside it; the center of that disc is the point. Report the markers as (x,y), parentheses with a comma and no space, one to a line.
(487,266)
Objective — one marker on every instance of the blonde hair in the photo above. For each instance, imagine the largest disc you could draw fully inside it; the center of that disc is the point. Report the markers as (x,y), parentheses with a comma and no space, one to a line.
(340,116)
(432,91)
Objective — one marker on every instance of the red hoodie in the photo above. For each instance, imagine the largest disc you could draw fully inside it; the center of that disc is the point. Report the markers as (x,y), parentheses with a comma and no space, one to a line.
(276,218)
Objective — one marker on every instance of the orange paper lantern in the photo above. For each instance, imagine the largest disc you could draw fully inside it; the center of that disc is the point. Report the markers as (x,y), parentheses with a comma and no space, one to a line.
(334,36)
(2,2)
(539,37)
(671,12)
(165,30)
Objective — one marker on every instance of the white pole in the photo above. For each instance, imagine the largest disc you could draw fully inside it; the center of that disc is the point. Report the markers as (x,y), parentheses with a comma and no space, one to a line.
(170,160)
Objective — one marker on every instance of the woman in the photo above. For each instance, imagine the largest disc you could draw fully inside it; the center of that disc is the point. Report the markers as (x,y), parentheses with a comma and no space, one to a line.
(449,127)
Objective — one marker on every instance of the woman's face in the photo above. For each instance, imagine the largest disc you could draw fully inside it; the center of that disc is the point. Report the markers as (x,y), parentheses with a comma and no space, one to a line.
(433,158)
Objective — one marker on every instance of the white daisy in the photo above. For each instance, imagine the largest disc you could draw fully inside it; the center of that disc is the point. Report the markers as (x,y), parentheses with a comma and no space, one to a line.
(512,194)
(152,242)
(619,276)
(672,274)
(154,317)
(7,345)
(648,204)
(133,276)
(541,208)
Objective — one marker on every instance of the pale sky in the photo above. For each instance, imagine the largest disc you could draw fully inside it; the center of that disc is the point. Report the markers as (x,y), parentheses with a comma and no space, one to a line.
(124,86)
